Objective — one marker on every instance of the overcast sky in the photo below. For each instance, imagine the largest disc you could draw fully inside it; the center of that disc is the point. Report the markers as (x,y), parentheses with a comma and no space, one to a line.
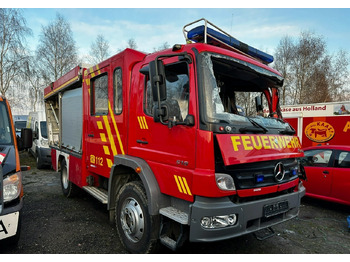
(151,27)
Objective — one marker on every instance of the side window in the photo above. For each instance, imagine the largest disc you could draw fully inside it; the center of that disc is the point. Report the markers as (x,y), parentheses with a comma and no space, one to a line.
(317,158)
(118,91)
(99,95)
(177,85)
(343,160)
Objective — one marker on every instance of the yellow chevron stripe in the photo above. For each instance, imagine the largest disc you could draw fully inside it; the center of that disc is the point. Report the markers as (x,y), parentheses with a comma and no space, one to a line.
(182,185)
(116,128)
(186,185)
(144,122)
(99,125)
(140,122)
(92,71)
(103,137)
(178,184)
(110,137)
(98,69)
(106,149)
(109,163)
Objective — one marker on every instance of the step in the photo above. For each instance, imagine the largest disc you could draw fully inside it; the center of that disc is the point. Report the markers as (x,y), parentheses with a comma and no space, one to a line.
(99,194)
(175,214)
(168,242)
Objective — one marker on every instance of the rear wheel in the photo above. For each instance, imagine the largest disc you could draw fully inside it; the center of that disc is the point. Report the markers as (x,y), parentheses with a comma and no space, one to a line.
(135,226)
(68,188)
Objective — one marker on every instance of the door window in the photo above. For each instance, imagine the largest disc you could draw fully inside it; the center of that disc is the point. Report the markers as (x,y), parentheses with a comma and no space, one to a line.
(317,158)
(177,83)
(99,95)
(343,160)
(118,91)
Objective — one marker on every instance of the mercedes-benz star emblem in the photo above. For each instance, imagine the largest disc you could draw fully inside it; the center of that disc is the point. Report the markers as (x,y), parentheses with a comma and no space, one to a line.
(279,172)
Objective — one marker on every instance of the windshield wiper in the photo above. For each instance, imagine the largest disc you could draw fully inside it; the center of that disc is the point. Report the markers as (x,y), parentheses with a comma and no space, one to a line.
(287,132)
(256,129)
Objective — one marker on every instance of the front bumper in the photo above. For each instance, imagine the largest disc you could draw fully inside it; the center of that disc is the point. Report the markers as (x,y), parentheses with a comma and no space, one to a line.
(10,220)
(250,215)
(44,155)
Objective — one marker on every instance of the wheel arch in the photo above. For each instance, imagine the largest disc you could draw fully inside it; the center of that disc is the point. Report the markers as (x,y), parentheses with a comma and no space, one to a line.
(124,164)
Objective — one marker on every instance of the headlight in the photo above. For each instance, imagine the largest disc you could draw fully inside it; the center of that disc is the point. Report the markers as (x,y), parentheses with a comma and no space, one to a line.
(225,182)
(12,187)
(219,221)
(44,142)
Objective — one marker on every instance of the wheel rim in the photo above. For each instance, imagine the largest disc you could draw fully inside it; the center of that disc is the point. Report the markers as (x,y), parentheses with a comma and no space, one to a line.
(64,177)
(132,220)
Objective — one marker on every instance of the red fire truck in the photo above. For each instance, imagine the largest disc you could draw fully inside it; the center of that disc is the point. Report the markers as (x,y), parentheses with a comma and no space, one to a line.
(159,140)
(320,123)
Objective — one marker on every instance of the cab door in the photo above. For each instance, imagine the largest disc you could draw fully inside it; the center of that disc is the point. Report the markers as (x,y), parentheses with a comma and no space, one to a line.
(319,172)
(341,176)
(168,149)
(104,118)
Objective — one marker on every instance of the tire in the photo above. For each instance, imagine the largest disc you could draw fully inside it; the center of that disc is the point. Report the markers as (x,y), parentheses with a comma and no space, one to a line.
(135,227)
(39,164)
(68,188)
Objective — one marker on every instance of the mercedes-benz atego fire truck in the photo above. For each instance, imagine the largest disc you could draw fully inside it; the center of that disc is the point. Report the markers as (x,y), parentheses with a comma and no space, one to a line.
(162,140)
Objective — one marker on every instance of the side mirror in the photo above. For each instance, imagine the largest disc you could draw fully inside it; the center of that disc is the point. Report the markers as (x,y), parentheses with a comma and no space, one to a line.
(26,140)
(158,82)
(258,104)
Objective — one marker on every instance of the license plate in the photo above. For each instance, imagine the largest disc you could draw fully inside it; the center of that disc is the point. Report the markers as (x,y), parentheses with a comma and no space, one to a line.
(8,225)
(276,208)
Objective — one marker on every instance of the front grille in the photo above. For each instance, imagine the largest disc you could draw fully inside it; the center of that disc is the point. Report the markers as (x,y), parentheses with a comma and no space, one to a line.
(259,174)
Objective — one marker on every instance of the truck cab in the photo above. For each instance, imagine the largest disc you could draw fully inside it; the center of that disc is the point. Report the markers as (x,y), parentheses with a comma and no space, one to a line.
(11,188)
(176,143)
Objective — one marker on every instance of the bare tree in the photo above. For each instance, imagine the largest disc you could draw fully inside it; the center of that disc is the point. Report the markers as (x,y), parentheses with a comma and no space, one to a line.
(99,50)
(285,53)
(165,45)
(35,82)
(56,53)
(13,32)
(132,43)
(311,75)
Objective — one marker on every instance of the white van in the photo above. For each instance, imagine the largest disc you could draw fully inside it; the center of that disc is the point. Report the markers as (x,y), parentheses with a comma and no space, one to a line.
(40,148)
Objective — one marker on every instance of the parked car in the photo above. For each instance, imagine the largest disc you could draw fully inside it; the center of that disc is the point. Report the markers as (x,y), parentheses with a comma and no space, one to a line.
(40,148)
(328,173)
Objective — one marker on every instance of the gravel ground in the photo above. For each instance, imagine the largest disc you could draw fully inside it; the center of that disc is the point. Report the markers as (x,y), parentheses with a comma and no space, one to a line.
(53,224)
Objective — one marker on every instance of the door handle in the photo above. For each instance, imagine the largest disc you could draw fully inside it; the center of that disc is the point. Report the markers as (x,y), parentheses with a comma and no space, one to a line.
(91,135)
(325,173)
(142,142)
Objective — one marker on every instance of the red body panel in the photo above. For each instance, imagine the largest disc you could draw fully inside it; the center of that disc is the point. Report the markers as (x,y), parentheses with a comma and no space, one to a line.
(329,183)
(239,149)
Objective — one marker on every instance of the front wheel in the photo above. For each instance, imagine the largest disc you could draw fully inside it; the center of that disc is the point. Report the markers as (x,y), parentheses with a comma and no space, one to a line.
(135,226)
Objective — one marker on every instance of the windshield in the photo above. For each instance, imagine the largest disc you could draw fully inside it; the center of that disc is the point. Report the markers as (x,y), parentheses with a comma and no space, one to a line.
(5,128)
(43,129)
(231,88)
(19,125)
